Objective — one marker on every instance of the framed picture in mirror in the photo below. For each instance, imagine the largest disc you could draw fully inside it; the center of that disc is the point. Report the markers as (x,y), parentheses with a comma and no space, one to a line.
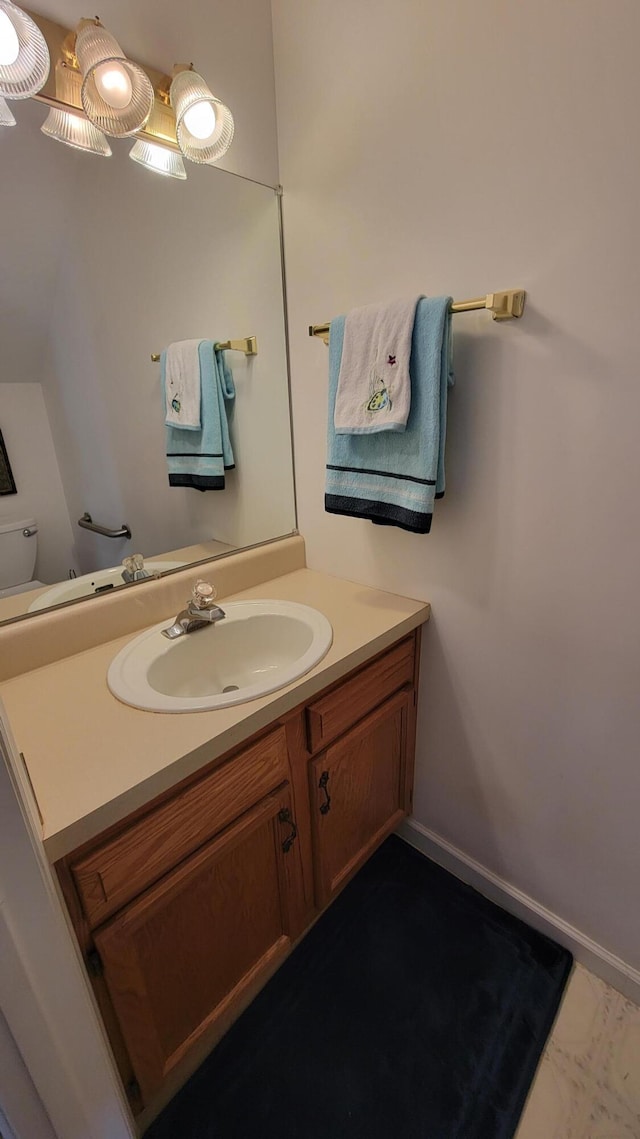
(7,482)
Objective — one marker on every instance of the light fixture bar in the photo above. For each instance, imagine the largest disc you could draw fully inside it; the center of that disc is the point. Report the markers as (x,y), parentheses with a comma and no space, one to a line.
(161,126)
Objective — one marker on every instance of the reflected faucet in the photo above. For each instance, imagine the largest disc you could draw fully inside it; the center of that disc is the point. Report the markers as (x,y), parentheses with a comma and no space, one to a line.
(134,568)
(200,612)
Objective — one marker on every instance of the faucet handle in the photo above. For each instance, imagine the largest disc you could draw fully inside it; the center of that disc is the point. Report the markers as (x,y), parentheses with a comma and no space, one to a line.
(204,594)
(133,562)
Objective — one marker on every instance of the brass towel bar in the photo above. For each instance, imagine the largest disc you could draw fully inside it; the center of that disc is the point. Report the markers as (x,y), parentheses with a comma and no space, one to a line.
(504,306)
(248,345)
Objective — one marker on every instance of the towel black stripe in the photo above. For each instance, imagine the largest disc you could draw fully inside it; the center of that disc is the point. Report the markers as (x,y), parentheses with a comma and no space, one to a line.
(194,455)
(384,474)
(380,513)
(198,482)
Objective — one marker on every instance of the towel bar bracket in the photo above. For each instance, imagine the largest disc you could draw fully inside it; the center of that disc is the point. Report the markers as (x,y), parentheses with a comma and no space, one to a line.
(248,345)
(506,305)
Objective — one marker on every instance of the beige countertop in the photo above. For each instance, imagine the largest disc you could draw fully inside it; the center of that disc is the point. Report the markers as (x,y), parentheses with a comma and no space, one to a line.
(92,760)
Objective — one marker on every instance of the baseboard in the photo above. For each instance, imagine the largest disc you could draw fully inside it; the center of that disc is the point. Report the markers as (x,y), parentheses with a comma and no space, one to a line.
(585,951)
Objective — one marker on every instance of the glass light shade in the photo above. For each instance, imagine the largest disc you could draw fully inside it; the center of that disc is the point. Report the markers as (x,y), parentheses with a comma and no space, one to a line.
(117,95)
(75,130)
(189,98)
(70,125)
(158,158)
(6,118)
(25,73)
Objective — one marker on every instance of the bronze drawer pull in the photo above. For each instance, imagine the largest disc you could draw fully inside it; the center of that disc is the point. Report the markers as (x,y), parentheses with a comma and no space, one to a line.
(284,816)
(326,806)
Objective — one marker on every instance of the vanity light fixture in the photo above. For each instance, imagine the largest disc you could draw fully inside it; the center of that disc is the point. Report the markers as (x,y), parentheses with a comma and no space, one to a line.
(6,118)
(117,95)
(71,125)
(158,158)
(95,90)
(24,55)
(204,125)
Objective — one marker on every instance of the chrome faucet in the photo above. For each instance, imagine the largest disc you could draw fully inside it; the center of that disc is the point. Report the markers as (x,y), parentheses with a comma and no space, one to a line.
(200,612)
(134,569)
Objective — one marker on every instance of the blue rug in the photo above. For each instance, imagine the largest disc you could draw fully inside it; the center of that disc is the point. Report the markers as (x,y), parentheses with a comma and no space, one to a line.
(414,1009)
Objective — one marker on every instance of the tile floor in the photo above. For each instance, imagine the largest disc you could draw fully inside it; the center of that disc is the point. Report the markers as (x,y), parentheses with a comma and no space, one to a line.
(588,1082)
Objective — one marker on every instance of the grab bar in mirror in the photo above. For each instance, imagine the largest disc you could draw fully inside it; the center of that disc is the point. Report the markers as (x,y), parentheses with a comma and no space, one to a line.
(87,523)
(248,345)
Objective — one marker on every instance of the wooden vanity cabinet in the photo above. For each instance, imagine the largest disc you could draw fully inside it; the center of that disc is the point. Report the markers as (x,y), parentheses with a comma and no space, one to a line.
(360,785)
(357,790)
(185,909)
(179,956)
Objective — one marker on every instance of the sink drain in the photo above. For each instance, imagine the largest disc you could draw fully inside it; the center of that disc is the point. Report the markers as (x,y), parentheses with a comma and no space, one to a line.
(231,688)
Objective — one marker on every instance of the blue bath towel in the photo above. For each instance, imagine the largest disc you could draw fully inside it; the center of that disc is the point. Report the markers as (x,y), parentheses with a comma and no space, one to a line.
(198,458)
(393,478)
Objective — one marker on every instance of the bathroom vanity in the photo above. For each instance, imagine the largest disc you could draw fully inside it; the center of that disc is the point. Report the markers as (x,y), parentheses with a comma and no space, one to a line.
(193,851)
(184,909)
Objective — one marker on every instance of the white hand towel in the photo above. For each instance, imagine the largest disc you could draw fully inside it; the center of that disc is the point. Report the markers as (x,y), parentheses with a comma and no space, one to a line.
(182,385)
(374,388)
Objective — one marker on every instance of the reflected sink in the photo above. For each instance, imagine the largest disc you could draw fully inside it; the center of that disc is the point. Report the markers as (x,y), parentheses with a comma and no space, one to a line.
(258,647)
(89,583)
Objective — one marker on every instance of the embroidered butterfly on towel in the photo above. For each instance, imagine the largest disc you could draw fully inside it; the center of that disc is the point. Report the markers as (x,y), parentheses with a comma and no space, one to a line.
(379,397)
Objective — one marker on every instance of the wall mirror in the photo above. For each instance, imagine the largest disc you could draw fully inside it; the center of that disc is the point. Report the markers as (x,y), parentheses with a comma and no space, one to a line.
(104,264)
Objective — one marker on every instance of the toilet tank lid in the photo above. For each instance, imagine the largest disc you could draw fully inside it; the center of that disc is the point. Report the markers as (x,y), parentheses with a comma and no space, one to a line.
(10,524)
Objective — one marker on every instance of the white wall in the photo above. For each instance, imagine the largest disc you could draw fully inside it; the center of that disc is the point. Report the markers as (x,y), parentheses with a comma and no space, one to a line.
(19,1102)
(462,148)
(40,495)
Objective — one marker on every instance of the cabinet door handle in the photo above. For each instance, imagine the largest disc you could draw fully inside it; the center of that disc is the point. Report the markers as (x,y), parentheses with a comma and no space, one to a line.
(285,816)
(326,806)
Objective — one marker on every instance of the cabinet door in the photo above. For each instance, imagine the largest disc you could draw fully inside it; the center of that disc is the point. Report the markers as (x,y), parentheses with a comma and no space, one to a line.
(358,794)
(177,958)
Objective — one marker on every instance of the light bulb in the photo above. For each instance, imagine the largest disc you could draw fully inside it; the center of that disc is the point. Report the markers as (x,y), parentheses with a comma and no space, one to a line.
(200,120)
(113,84)
(9,42)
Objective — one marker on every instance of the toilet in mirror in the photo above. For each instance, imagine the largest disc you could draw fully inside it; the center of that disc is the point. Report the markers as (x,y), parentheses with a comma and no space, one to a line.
(18,551)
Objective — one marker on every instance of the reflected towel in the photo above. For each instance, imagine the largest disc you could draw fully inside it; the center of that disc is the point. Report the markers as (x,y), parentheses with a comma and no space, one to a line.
(199,458)
(182,385)
(394,478)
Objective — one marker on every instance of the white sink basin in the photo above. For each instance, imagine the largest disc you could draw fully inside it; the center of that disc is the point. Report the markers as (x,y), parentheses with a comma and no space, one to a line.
(258,647)
(89,583)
